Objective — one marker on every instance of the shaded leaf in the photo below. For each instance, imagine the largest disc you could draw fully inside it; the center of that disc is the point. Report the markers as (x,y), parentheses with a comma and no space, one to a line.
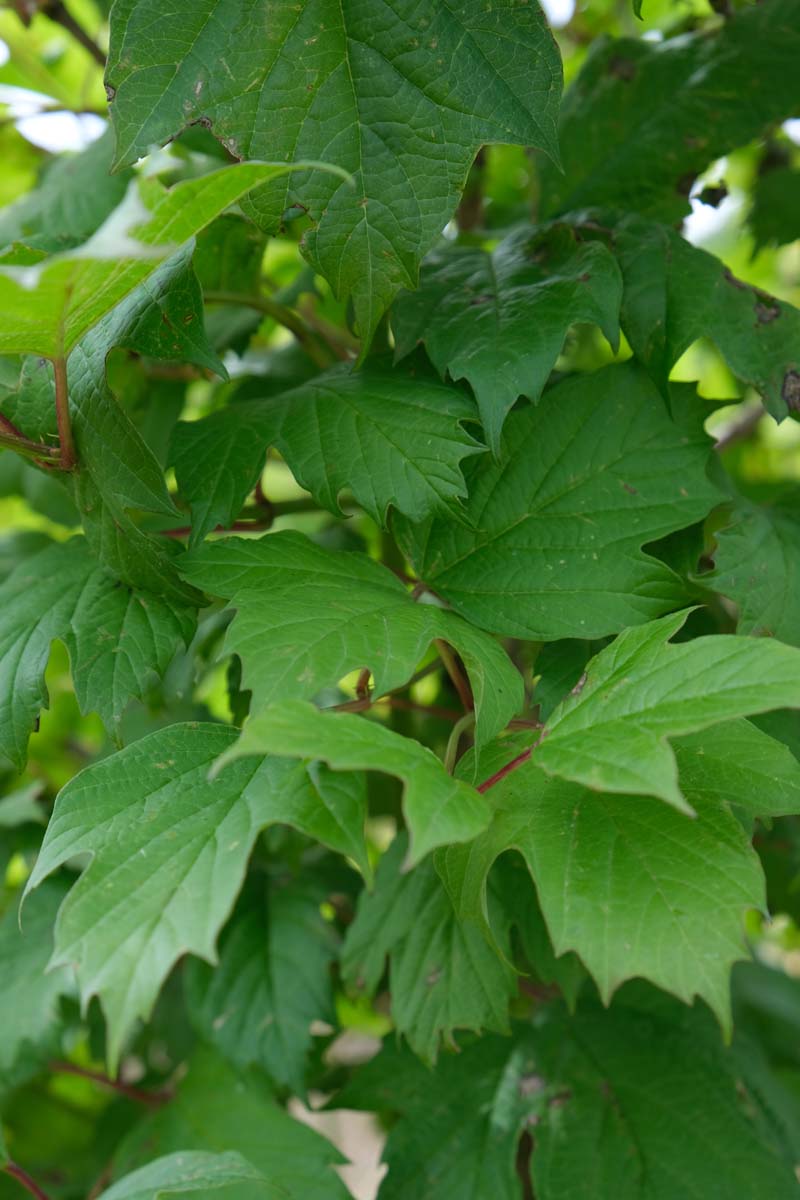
(644,118)
(757,565)
(553,551)
(272,980)
(443,974)
(119,641)
(499,318)
(217,1110)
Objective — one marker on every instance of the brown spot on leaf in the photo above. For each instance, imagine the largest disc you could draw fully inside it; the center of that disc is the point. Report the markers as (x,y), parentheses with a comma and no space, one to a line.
(630,489)
(791,390)
(767,310)
(110,92)
(580,685)
(481,299)
(622,68)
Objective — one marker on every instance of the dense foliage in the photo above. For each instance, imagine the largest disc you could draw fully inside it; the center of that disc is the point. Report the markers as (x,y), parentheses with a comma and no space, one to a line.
(400,600)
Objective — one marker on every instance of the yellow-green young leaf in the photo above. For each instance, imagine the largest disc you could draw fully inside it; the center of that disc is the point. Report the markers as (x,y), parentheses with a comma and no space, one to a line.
(273,979)
(402,99)
(499,318)
(438,809)
(119,641)
(394,438)
(553,544)
(644,118)
(757,565)
(48,307)
(214,1110)
(632,886)
(443,973)
(189,1171)
(306,616)
(612,733)
(169,849)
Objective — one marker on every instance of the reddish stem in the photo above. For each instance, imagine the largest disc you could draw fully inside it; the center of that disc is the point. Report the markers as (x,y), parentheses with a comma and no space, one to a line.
(149,1099)
(510,766)
(24,1178)
(457,678)
(236,527)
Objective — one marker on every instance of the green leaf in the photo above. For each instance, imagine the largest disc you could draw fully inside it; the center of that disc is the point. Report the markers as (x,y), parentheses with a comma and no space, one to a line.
(217,1110)
(75,195)
(644,118)
(756,566)
(458,1126)
(499,318)
(738,763)
(610,1096)
(47,308)
(391,437)
(437,808)
(443,975)
(272,980)
(632,886)
(29,998)
(675,293)
(553,546)
(653,1108)
(119,641)
(306,616)
(168,848)
(192,1171)
(612,733)
(773,217)
(403,103)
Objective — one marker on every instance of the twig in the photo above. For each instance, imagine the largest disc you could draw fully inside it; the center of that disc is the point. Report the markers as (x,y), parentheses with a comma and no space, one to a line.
(149,1099)
(740,429)
(58,13)
(24,1178)
(264,515)
(283,315)
(510,766)
(66,444)
(457,678)
(12,439)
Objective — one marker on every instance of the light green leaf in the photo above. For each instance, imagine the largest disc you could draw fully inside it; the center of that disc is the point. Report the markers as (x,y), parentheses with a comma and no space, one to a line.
(306,616)
(589,475)
(632,886)
(76,194)
(391,437)
(644,118)
(443,974)
(403,103)
(22,807)
(47,308)
(119,641)
(188,1171)
(737,763)
(612,732)
(272,980)
(437,808)
(217,1110)
(757,565)
(169,849)
(499,318)
(29,1017)
(676,293)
